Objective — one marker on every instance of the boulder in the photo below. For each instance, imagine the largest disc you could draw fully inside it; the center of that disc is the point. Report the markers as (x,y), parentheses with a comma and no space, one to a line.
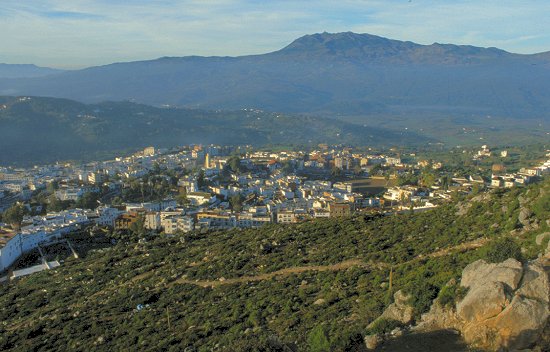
(480,272)
(540,238)
(482,302)
(535,284)
(524,216)
(506,307)
(372,341)
(520,324)
(399,310)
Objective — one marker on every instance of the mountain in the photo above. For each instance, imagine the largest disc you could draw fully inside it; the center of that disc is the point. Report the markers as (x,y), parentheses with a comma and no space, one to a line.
(25,71)
(342,74)
(40,130)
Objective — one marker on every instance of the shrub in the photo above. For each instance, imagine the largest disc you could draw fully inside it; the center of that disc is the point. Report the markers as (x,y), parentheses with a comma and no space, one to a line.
(449,295)
(317,340)
(502,249)
(422,294)
(383,326)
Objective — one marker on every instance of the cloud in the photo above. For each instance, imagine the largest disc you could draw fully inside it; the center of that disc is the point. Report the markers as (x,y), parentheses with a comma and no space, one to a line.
(86,32)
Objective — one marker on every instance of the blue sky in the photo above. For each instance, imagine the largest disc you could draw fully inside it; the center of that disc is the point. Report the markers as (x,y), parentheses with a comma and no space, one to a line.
(80,33)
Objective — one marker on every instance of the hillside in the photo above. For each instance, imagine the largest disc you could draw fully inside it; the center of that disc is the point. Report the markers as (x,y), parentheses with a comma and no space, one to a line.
(25,71)
(41,130)
(335,74)
(296,287)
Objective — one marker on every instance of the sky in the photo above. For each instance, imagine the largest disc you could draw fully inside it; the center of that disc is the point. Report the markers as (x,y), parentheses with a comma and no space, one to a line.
(81,33)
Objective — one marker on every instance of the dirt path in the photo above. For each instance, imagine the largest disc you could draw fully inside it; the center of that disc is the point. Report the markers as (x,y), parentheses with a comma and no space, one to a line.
(335,267)
(283,272)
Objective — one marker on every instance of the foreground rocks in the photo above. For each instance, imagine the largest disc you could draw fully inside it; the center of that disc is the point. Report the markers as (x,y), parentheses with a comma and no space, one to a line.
(506,307)
(399,310)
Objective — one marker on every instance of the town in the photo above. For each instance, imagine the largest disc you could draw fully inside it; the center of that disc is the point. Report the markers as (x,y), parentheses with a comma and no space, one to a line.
(201,188)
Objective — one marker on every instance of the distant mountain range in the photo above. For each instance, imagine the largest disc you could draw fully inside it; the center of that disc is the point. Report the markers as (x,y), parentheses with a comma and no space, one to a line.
(344,74)
(25,71)
(40,130)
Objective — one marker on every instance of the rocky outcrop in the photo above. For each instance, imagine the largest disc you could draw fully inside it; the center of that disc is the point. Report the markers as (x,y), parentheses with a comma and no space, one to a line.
(483,302)
(399,310)
(479,272)
(372,341)
(540,238)
(506,307)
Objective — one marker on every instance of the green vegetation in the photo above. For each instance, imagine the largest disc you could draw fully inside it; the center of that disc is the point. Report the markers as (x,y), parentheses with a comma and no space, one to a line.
(61,129)
(212,289)
(383,326)
(318,341)
(502,249)
(450,294)
(14,215)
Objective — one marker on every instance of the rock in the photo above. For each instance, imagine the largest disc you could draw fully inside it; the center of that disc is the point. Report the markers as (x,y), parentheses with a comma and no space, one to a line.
(439,318)
(521,323)
(524,216)
(399,310)
(319,301)
(505,309)
(462,208)
(372,341)
(397,332)
(482,302)
(481,272)
(540,238)
(522,200)
(536,284)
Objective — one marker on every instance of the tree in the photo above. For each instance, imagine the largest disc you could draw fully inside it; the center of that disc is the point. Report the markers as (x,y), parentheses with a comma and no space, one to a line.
(14,215)
(317,340)
(336,171)
(138,226)
(236,202)
(89,200)
(182,197)
(55,204)
(445,182)
(52,186)
(234,163)
(201,182)
(427,179)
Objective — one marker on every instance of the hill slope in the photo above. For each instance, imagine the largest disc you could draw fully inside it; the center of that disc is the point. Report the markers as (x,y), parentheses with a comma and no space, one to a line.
(40,130)
(342,73)
(94,301)
(25,71)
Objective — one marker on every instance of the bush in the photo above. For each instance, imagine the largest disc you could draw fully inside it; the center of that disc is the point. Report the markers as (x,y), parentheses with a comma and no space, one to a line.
(502,249)
(318,341)
(422,294)
(383,326)
(449,295)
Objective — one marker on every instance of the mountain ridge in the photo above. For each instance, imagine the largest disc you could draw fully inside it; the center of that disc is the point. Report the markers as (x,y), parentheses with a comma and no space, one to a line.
(26,71)
(329,74)
(41,130)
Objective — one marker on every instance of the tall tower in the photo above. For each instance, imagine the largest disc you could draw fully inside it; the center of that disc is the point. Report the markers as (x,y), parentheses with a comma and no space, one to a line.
(207,161)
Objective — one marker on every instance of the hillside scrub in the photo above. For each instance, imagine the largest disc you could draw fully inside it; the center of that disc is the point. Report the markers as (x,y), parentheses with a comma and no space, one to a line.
(127,297)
